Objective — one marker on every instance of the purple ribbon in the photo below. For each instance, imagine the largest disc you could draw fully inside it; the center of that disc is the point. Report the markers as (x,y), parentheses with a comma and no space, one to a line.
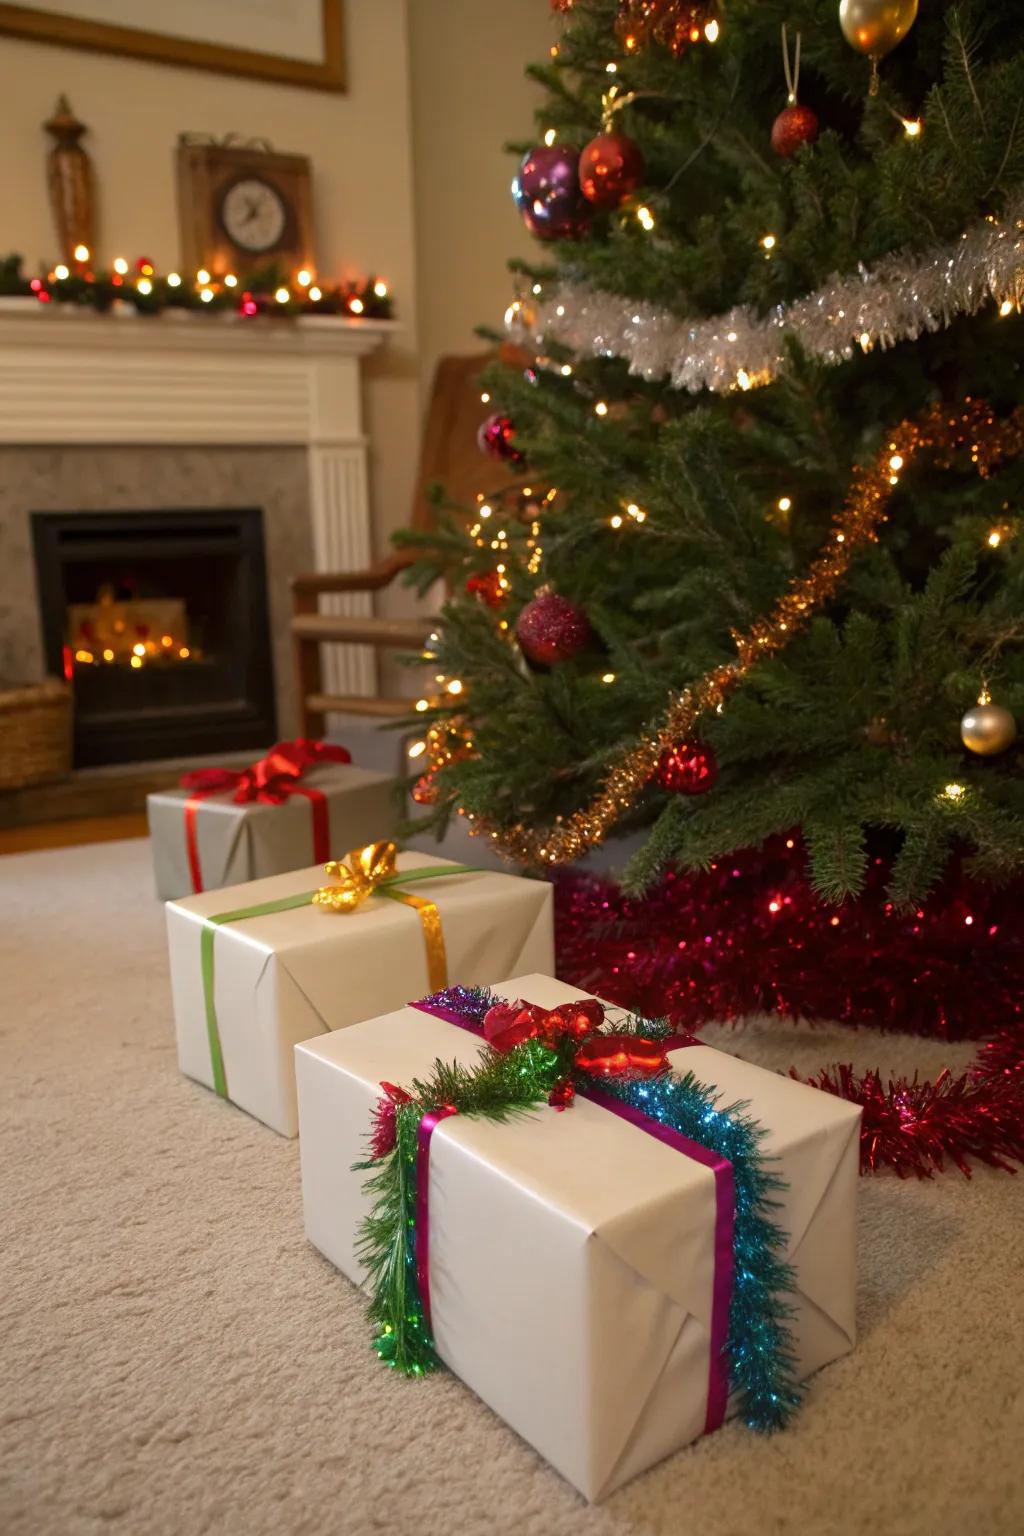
(725,1205)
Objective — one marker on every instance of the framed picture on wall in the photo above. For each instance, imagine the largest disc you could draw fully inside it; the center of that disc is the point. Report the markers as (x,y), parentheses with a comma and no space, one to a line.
(295,42)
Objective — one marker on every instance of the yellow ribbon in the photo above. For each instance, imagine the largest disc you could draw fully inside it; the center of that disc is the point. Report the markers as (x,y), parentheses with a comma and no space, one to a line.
(372,870)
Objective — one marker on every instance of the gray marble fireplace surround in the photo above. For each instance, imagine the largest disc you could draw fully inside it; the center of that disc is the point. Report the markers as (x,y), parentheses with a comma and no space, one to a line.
(149,478)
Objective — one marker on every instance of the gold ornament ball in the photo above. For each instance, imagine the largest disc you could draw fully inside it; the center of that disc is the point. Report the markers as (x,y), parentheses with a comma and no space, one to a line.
(875,27)
(987,729)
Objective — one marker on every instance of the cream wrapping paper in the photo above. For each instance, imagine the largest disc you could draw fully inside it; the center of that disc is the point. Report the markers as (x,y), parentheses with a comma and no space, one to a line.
(251,841)
(282,977)
(571,1255)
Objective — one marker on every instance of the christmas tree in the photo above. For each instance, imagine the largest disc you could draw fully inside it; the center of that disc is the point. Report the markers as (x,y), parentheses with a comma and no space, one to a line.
(763,558)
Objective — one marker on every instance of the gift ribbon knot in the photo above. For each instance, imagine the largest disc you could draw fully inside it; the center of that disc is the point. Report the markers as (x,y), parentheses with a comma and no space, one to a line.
(270,781)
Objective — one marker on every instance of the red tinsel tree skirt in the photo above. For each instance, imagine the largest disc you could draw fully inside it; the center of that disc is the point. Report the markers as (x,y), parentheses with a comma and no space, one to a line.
(749,937)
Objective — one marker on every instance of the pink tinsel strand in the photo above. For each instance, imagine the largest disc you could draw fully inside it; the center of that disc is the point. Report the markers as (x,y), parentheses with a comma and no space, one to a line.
(749,936)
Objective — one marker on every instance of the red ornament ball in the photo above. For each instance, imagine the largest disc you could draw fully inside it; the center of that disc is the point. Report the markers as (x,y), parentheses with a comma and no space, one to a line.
(424,791)
(497,438)
(690,768)
(550,629)
(794,126)
(486,585)
(611,167)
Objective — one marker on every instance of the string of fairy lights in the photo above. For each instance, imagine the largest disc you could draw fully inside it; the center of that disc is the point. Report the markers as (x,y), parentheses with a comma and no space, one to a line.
(79,282)
(972,429)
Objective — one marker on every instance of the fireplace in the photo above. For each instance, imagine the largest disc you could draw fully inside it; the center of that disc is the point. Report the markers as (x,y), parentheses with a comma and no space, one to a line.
(160,619)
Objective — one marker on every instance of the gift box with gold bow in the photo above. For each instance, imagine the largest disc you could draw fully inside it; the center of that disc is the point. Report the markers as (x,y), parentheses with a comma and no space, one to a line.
(301,804)
(257,968)
(657,1236)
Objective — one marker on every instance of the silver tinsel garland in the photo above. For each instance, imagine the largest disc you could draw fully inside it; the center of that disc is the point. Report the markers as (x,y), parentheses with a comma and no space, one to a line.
(898,300)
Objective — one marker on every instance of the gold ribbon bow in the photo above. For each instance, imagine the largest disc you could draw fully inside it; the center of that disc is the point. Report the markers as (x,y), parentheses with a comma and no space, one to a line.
(358,875)
(372,871)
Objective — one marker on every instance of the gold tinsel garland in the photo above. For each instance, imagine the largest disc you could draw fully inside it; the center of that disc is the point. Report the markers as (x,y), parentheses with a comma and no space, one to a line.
(942,430)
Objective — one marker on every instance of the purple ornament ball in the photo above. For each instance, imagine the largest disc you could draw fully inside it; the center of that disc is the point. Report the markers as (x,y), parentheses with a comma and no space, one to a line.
(547,193)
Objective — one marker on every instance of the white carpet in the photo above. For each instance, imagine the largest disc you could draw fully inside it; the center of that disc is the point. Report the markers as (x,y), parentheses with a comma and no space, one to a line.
(176,1360)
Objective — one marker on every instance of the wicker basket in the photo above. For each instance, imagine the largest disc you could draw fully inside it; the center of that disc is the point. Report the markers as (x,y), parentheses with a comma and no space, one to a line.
(35,733)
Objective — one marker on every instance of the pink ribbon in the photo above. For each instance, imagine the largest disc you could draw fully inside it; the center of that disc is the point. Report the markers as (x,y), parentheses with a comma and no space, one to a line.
(725,1206)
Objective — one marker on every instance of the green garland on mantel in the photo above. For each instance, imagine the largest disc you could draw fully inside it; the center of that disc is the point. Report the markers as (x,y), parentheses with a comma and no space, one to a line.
(266,291)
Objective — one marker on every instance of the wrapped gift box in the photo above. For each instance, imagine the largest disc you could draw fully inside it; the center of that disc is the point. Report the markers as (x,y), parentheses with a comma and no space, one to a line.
(279,977)
(235,843)
(571,1255)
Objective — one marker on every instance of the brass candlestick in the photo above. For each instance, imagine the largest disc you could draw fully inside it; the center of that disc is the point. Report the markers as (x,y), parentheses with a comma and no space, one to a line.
(69,176)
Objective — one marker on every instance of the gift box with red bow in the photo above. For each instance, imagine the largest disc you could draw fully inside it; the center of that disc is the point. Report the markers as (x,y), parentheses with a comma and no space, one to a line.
(616,1236)
(301,804)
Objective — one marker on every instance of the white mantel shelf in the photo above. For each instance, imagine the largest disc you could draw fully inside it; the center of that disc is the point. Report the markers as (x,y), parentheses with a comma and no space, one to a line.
(71,378)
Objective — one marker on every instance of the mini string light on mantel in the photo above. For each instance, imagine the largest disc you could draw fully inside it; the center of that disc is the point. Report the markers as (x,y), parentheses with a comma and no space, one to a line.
(268,293)
(942,432)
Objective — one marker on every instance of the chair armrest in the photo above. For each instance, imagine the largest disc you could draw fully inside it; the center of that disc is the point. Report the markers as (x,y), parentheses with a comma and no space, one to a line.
(381,574)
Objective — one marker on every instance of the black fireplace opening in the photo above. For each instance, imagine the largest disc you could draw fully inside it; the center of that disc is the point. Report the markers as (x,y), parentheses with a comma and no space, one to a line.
(160,620)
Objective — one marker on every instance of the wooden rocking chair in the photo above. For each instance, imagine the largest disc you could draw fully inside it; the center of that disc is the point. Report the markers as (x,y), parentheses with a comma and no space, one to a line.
(449,454)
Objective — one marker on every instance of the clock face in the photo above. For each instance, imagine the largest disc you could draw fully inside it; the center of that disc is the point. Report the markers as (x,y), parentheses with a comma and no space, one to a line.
(254,214)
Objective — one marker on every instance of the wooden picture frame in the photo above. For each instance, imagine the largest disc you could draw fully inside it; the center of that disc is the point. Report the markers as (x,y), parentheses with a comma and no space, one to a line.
(209,174)
(39,25)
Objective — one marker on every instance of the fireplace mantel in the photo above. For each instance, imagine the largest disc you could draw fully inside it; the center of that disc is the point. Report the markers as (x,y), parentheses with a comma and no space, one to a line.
(74,378)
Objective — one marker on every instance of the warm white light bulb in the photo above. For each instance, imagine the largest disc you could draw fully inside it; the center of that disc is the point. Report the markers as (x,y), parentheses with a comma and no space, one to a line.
(380,288)
(61,272)
(173,280)
(417,749)
(144,285)
(81,253)
(550,137)
(202,276)
(282,295)
(304,278)
(206,294)
(230,280)
(600,409)
(120,266)
(356,306)
(315,294)
(711,31)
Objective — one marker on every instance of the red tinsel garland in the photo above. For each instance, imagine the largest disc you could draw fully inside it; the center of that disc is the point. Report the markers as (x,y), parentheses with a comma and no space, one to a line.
(749,936)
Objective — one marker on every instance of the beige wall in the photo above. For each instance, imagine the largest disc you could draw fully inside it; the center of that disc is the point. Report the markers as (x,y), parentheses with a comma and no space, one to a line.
(470,96)
(410,179)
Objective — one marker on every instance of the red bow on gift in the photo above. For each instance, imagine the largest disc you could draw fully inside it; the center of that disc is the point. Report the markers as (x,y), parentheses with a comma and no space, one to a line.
(616,1054)
(271,779)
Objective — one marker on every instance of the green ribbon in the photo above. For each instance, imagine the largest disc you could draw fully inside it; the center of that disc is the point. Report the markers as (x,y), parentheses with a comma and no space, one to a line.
(389,886)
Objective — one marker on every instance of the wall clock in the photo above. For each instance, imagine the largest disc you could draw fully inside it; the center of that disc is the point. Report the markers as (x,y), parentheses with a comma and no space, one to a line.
(243,206)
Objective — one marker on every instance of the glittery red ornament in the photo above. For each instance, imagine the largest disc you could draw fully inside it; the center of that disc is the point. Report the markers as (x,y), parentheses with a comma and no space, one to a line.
(794,126)
(497,437)
(550,629)
(424,791)
(611,167)
(690,768)
(486,585)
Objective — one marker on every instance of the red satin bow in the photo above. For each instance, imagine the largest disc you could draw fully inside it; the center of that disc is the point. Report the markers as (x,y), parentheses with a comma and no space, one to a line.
(613,1055)
(270,780)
